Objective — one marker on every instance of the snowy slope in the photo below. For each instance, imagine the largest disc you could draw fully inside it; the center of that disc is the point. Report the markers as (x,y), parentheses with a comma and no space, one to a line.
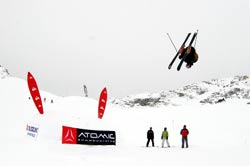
(206,92)
(218,133)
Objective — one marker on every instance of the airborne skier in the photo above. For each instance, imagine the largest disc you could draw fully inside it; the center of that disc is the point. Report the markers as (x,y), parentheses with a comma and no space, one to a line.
(191,57)
(186,54)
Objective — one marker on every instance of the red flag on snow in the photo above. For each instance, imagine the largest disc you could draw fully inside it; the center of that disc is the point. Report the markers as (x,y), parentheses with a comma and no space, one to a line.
(102,103)
(34,91)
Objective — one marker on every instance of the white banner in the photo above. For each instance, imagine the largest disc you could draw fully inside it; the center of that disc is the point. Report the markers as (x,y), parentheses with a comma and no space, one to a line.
(32,130)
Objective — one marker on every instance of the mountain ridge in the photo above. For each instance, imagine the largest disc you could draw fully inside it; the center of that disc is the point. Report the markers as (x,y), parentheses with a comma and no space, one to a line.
(3,72)
(206,92)
(213,91)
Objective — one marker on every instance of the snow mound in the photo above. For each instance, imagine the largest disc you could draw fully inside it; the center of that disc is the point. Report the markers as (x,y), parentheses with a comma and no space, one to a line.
(209,126)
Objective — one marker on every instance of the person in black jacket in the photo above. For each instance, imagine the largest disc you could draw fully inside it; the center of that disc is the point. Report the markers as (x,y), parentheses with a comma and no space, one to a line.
(150,136)
(191,57)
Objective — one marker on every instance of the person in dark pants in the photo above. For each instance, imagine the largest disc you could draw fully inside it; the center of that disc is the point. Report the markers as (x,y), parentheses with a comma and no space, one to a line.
(150,136)
(191,57)
(184,133)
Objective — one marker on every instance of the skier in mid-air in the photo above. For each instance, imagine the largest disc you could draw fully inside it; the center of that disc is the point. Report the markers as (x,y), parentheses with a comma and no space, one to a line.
(191,57)
(186,54)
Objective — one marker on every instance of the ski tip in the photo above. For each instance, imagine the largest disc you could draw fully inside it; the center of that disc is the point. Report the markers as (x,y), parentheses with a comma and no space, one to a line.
(179,67)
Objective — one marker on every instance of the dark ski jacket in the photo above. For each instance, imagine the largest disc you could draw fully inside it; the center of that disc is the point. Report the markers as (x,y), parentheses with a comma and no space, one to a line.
(150,134)
(191,58)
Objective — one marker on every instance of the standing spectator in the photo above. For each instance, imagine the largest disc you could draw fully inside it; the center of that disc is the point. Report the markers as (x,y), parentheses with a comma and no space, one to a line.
(164,137)
(184,133)
(150,136)
(85,90)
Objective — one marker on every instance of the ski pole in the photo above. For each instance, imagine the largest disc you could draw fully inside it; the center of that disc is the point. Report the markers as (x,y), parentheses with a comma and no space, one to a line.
(196,38)
(172,42)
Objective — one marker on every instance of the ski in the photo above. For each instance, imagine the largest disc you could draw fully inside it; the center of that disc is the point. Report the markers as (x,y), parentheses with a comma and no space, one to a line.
(183,45)
(185,55)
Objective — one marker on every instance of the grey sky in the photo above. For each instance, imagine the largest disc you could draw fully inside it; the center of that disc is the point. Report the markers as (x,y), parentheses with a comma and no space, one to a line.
(121,44)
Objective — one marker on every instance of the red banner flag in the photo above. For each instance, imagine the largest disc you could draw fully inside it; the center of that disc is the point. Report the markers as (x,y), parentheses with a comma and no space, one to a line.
(34,91)
(102,103)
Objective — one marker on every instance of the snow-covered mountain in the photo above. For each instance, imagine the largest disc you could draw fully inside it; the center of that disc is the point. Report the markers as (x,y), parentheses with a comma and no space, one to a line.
(206,92)
(207,141)
(3,72)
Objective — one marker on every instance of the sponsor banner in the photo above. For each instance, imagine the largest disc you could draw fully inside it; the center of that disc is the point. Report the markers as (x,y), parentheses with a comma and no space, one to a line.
(95,137)
(34,91)
(32,130)
(88,137)
(102,103)
(69,135)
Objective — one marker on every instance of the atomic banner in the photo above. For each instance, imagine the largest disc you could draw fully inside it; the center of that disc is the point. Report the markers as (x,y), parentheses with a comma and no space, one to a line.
(72,135)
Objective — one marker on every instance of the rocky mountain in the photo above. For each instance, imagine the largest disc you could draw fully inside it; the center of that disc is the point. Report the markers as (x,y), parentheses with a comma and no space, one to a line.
(206,92)
(3,72)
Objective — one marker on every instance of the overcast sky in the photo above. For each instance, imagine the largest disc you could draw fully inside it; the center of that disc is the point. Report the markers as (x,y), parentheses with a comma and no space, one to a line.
(121,44)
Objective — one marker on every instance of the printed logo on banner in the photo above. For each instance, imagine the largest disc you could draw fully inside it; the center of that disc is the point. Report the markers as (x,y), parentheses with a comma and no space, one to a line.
(72,135)
(96,137)
(69,135)
(32,130)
